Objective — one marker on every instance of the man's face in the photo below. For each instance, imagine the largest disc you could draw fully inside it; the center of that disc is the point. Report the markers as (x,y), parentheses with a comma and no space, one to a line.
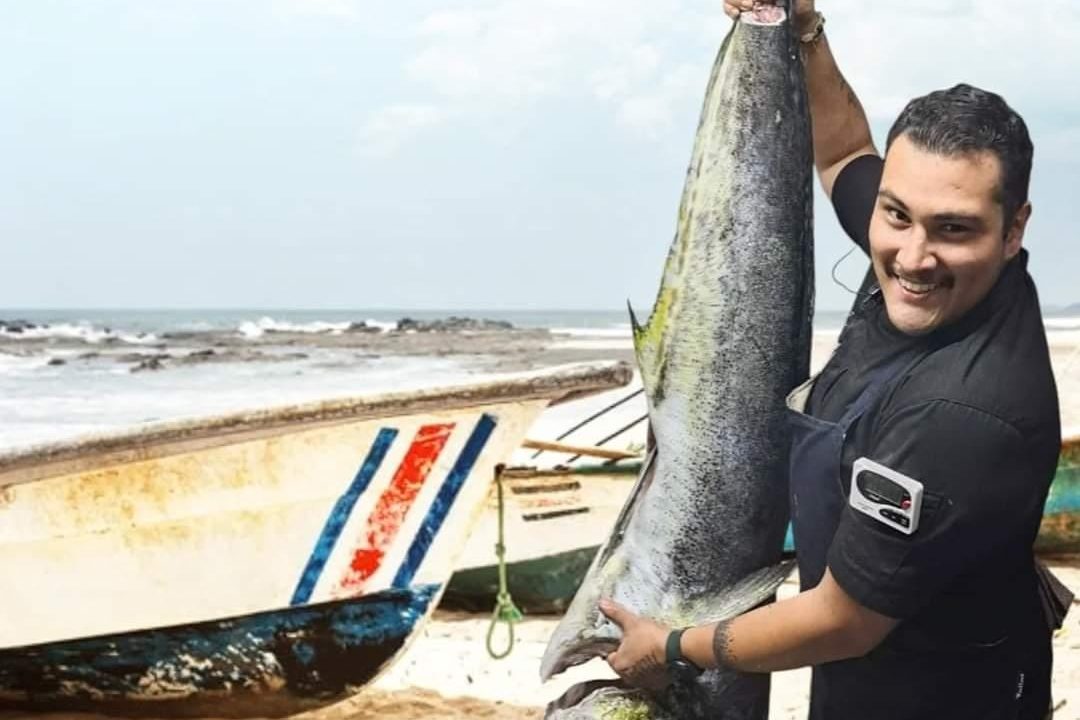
(937,239)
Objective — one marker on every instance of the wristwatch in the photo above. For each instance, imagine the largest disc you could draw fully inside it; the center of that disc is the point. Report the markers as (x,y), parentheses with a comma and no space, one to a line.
(680,670)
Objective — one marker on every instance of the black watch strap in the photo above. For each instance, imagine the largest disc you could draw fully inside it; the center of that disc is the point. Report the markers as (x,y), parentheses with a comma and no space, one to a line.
(680,668)
(673,650)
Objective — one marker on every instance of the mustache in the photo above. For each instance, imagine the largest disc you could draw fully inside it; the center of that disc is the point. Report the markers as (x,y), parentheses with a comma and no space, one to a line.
(922,277)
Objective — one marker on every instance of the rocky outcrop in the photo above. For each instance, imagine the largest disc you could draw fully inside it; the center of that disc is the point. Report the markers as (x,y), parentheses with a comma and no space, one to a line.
(153,362)
(17,327)
(452,324)
(362,327)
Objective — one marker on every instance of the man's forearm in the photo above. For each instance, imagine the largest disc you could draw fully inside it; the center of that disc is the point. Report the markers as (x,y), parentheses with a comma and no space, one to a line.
(811,628)
(841,130)
(772,638)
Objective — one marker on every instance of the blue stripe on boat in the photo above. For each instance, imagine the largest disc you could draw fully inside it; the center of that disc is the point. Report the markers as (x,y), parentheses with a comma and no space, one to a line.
(440,508)
(340,515)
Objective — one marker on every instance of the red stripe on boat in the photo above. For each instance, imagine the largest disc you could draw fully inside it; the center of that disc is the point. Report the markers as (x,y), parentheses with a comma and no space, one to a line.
(393,505)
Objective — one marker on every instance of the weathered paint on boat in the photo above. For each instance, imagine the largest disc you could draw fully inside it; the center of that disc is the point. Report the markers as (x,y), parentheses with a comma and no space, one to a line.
(1060,529)
(254,564)
(545,582)
(240,665)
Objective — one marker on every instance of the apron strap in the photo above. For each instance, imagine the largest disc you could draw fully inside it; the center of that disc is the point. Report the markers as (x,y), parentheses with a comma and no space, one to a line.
(878,384)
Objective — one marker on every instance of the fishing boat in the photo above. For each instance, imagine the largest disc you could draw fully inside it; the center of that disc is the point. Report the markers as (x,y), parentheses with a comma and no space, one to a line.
(254,564)
(556,519)
(1059,533)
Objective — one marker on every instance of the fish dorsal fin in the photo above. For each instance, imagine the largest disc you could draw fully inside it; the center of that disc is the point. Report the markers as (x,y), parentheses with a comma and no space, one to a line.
(647,351)
(650,342)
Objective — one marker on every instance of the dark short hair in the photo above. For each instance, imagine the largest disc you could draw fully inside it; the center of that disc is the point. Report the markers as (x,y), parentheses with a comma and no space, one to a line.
(965,119)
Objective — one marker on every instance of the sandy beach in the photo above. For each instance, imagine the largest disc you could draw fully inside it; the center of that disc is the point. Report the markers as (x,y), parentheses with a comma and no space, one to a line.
(446,673)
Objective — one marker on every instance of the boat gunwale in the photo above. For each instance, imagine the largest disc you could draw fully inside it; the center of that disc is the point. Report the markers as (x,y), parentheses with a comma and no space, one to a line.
(152,440)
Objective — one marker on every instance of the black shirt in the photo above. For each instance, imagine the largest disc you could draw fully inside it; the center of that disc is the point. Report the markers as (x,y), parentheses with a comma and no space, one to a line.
(974,419)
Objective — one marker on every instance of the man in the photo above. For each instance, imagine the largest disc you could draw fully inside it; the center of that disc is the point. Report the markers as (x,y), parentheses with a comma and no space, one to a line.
(942,379)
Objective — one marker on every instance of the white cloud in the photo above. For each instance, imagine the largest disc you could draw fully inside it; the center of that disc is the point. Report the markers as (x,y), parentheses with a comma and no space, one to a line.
(646,61)
(635,67)
(507,54)
(386,130)
(650,110)
(333,8)
(892,52)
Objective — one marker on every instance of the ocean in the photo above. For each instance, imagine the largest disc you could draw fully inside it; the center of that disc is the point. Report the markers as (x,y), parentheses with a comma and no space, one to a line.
(68,372)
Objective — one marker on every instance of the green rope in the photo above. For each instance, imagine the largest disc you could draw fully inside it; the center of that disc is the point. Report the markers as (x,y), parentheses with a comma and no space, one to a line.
(505,610)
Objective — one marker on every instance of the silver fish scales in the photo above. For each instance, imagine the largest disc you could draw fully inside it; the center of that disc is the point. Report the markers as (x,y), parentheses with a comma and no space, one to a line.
(701,536)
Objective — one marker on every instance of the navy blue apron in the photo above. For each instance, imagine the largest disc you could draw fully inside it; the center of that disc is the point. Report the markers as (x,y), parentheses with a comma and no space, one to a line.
(818,497)
(817,490)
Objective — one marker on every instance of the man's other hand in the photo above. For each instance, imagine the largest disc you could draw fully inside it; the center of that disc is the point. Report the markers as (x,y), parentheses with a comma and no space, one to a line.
(639,659)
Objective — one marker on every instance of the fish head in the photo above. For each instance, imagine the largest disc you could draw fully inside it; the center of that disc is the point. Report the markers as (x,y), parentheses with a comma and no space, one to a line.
(583,634)
(605,700)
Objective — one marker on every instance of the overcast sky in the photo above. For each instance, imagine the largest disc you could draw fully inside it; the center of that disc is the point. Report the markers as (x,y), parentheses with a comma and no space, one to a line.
(435,153)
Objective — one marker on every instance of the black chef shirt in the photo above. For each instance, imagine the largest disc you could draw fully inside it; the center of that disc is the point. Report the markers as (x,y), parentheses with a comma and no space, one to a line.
(975,419)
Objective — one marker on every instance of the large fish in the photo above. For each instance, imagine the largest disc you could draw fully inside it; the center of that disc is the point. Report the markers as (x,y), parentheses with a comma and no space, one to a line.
(701,536)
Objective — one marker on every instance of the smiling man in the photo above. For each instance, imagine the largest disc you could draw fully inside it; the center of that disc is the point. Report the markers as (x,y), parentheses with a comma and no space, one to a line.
(924,451)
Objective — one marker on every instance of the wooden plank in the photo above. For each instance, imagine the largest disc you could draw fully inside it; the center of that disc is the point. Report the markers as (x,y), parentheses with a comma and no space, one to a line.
(606,453)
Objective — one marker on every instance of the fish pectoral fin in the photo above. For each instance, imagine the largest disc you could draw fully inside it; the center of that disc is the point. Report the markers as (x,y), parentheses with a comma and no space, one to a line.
(746,594)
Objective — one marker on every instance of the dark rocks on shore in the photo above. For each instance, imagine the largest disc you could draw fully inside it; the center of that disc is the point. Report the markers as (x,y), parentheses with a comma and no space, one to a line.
(18,326)
(137,357)
(452,324)
(153,362)
(55,362)
(362,327)
(162,361)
